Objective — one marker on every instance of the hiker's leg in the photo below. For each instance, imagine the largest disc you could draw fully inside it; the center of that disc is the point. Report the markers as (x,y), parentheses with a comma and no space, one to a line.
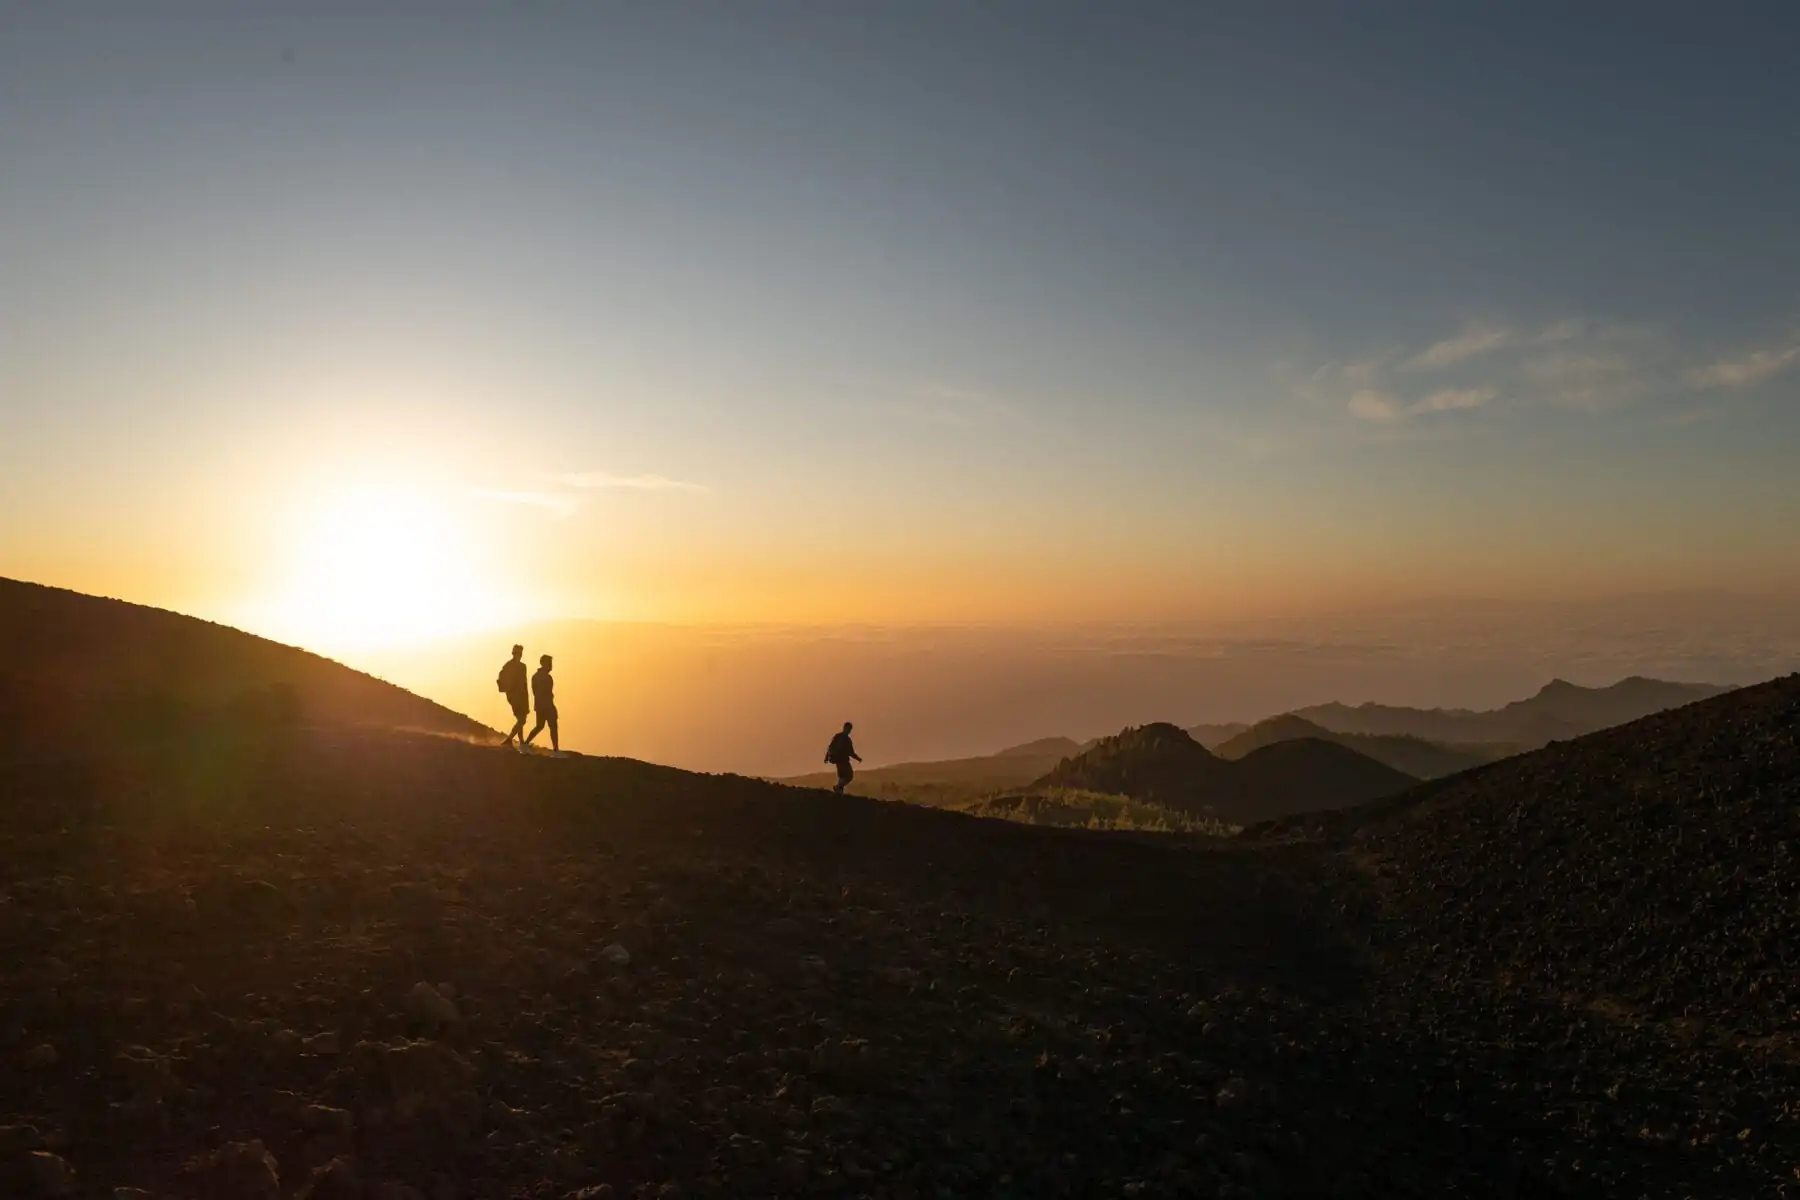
(535,730)
(518,729)
(555,744)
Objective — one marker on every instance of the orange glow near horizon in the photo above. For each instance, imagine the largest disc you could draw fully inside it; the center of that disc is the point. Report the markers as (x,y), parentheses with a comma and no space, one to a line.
(367,567)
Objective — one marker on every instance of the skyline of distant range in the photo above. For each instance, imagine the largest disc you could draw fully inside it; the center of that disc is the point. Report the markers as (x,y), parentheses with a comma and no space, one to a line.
(754,698)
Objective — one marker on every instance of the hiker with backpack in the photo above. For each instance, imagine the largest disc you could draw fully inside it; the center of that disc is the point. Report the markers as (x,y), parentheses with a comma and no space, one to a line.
(511,683)
(839,754)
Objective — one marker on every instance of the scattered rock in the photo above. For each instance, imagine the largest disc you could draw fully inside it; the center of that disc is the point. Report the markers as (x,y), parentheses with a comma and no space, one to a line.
(616,954)
(1232,1093)
(50,1174)
(335,1180)
(327,1043)
(430,1008)
(428,1080)
(42,1056)
(234,1171)
(325,1118)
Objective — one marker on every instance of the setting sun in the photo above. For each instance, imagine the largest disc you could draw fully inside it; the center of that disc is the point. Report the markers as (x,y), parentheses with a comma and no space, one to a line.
(373,567)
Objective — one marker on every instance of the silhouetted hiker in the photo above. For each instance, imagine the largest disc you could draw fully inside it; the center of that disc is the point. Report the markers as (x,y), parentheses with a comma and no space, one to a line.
(839,754)
(511,683)
(543,695)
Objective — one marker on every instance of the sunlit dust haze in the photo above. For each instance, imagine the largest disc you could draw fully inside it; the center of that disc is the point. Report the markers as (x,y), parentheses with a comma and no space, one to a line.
(978,372)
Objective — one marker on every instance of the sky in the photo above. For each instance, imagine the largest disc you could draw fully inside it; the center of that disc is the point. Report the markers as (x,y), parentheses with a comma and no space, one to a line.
(354,324)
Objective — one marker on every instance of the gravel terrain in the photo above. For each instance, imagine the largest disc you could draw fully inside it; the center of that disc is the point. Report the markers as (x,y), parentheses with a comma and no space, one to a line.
(376,965)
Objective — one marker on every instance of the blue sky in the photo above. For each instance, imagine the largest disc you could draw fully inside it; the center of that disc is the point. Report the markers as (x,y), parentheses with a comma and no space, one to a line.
(940,310)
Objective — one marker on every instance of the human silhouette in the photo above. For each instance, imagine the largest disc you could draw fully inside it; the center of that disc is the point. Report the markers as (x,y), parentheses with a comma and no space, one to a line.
(839,754)
(511,683)
(543,696)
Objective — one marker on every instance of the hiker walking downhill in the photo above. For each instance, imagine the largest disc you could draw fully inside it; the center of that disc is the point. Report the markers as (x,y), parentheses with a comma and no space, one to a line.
(839,754)
(512,685)
(543,696)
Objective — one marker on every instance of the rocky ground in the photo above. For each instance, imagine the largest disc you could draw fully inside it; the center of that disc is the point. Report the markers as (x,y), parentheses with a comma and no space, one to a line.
(382,966)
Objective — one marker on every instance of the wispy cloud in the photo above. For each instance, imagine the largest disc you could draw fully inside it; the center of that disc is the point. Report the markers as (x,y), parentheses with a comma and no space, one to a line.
(1586,378)
(592,480)
(1579,364)
(1747,369)
(559,503)
(1371,405)
(1456,399)
(1473,341)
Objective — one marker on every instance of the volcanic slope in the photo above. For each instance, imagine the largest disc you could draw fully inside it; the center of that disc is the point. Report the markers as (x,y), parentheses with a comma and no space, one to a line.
(1652,869)
(1413,755)
(1305,774)
(1161,764)
(1612,921)
(81,670)
(333,960)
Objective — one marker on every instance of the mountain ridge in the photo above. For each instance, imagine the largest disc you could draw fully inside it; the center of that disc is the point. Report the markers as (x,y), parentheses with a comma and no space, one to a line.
(1558,710)
(1413,755)
(81,669)
(1161,764)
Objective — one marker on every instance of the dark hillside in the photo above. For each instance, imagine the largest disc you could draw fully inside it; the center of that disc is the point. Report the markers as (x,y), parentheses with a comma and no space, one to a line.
(348,963)
(1653,867)
(82,669)
(397,951)
(1162,765)
(1157,763)
(1414,756)
(1306,774)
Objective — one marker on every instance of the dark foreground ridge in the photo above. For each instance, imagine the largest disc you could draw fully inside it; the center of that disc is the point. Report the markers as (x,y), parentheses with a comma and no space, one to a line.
(80,671)
(310,959)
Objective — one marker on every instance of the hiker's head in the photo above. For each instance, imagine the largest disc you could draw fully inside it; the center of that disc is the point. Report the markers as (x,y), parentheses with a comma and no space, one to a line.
(544,662)
(846,727)
(518,652)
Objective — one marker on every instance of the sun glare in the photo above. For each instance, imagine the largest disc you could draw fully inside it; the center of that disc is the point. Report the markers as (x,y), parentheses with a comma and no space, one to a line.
(369,568)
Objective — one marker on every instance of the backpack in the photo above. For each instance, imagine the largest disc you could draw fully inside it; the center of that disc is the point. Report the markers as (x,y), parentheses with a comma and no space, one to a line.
(500,680)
